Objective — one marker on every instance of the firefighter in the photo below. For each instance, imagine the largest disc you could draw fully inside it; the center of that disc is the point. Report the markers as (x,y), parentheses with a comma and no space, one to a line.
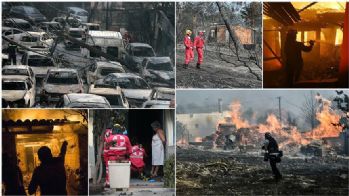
(189,53)
(12,50)
(293,52)
(272,154)
(137,159)
(117,147)
(199,43)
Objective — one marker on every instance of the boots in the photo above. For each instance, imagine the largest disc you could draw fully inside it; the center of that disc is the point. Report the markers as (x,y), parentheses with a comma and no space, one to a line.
(198,65)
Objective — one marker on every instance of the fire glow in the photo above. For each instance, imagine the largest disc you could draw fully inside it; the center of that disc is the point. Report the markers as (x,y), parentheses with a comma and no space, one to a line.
(288,135)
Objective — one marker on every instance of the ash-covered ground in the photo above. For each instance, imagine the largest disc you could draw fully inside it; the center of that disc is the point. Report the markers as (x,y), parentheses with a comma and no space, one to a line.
(202,172)
(219,70)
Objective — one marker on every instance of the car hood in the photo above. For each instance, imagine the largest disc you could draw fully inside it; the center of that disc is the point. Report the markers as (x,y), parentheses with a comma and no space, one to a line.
(62,89)
(40,70)
(165,75)
(137,93)
(13,95)
(165,104)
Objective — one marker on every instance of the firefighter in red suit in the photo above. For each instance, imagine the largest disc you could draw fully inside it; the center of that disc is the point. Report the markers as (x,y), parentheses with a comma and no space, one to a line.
(137,159)
(117,147)
(189,53)
(199,43)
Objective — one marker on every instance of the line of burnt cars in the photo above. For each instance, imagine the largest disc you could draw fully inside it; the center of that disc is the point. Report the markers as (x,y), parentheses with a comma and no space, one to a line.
(41,81)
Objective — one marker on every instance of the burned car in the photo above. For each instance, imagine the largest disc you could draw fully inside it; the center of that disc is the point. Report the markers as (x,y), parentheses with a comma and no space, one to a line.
(100,69)
(160,98)
(135,53)
(17,23)
(114,95)
(52,28)
(158,71)
(11,33)
(91,26)
(78,13)
(135,88)
(35,39)
(18,91)
(67,21)
(110,42)
(60,81)
(19,70)
(29,13)
(39,63)
(82,100)
(76,33)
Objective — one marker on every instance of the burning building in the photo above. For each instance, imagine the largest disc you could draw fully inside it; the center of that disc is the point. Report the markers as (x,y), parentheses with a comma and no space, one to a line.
(326,65)
(233,131)
(25,131)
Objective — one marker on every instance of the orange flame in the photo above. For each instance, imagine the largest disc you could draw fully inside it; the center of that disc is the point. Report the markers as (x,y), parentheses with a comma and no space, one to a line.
(198,139)
(287,135)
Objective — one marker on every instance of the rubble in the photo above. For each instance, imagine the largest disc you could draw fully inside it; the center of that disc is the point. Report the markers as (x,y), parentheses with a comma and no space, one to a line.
(224,173)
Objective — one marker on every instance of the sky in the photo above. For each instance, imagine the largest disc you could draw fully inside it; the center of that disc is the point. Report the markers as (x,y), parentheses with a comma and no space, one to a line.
(291,100)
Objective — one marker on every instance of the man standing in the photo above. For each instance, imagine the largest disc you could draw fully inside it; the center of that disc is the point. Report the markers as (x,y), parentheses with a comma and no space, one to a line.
(293,52)
(189,53)
(117,147)
(199,43)
(12,50)
(50,175)
(273,154)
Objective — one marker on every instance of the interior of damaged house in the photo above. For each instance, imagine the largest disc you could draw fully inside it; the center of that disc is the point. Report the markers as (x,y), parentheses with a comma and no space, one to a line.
(174,98)
(24,132)
(325,23)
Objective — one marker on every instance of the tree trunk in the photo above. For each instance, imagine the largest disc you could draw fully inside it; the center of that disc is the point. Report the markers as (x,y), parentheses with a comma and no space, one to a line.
(101,124)
(231,33)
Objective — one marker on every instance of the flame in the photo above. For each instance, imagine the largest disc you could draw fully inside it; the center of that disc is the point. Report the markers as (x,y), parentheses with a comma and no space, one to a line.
(198,139)
(182,142)
(328,120)
(235,116)
(289,137)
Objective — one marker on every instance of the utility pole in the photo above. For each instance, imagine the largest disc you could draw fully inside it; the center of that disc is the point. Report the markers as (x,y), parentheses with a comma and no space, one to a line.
(107,17)
(279,98)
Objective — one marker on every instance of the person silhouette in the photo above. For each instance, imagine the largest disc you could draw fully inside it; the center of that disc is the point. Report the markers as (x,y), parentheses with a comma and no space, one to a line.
(50,174)
(12,177)
(293,52)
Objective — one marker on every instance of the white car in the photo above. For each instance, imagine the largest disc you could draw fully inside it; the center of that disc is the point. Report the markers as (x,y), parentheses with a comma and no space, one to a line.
(60,81)
(21,70)
(158,72)
(35,39)
(110,42)
(114,95)
(91,26)
(18,91)
(161,98)
(74,100)
(76,33)
(11,33)
(101,69)
(39,63)
(78,13)
(135,88)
